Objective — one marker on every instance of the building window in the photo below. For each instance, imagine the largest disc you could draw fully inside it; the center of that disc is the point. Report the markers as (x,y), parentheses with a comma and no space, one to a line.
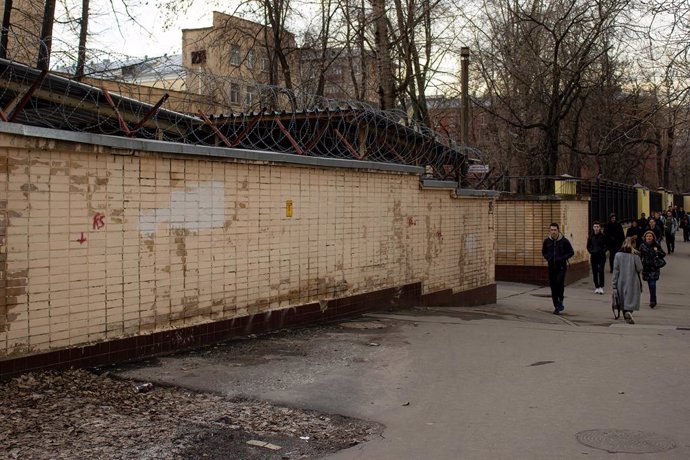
(250,59)
(235,55)
(234,93)
(250,95)
(199,57)
(265,64)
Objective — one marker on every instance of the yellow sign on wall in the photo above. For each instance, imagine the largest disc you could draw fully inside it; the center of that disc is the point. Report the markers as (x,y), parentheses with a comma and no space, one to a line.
(288,208)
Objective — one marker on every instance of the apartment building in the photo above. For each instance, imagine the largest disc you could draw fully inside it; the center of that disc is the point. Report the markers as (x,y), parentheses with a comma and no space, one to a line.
(231,60)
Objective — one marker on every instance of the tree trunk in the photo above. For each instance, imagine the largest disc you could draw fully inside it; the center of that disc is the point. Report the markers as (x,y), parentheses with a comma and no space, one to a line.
(553,122)
(383,55)
(553,130)
(5,28)
(575,168)
(83,31)
(552,149)
(45,44)
(659,158)
(668,156)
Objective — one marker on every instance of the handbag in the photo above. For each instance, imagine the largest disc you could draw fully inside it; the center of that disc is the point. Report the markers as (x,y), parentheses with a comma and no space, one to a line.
(615,304)
(659,262)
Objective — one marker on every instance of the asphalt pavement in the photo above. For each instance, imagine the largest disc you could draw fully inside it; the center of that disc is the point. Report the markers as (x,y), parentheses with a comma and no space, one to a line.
(503,381)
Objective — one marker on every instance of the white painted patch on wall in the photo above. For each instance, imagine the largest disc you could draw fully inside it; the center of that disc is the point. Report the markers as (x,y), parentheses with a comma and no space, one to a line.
(470,243)
(194,208)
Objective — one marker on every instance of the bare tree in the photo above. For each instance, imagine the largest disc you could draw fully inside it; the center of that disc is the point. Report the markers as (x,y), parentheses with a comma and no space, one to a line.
(538,60)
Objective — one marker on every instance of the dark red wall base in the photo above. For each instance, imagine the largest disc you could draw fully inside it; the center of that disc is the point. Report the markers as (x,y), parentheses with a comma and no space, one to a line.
(126,349)
(539,275)
(479,296)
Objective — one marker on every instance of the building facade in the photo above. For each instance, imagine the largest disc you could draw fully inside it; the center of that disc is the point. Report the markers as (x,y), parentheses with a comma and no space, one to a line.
(232,60)
(24,31)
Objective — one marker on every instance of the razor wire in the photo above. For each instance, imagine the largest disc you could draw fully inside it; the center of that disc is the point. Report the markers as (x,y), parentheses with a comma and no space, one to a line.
(159,98)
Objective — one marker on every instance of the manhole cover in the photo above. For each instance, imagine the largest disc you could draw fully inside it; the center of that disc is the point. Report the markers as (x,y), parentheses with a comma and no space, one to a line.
(363,325)
(628,441)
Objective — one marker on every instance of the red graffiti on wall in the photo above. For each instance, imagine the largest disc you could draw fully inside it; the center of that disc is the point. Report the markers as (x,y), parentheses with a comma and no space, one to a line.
(439,235)
(411,221)
(82,239)
(98,221)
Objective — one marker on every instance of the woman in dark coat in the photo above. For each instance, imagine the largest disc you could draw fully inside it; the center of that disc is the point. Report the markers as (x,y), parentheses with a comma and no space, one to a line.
(651,255)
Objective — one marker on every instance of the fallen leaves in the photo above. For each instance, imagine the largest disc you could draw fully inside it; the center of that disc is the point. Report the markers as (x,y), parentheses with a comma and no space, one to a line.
(78,414)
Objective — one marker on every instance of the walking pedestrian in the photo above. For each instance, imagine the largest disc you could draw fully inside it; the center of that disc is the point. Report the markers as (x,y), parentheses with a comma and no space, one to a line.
(656,229)
(557,250)
(634,231)
(670,229)
(627,286)
(643,223)
(658,219)
(652,260)
(614,237)
(685,225)
(596,246)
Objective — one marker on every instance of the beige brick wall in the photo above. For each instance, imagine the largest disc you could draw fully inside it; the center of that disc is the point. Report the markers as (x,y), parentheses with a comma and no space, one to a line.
(523,224)
(98,244)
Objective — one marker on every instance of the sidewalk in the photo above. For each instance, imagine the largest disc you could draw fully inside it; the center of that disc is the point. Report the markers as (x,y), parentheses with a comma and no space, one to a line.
(501,381)
(585,307)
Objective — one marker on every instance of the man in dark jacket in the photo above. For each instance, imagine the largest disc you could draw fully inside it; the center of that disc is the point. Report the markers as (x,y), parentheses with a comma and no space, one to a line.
(670,229)
(614,238)
(557,250)
(596,246)
(635,232)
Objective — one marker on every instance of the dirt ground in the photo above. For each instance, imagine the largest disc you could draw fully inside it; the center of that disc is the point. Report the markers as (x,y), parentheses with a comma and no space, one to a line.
(79,414)
(95,414)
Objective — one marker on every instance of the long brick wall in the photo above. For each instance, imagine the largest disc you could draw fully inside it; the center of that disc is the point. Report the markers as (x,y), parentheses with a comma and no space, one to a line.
(100,243)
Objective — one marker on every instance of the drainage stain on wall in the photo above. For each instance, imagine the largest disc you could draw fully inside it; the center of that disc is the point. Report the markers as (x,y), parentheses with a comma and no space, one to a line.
(3,261)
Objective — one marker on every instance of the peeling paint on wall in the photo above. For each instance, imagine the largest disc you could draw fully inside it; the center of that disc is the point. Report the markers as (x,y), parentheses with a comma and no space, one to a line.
(195,208)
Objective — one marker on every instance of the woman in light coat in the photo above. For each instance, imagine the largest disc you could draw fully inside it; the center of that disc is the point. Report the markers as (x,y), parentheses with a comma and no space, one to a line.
(627,267)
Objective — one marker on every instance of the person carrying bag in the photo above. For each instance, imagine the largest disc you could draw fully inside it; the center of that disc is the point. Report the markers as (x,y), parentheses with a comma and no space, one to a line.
(653,259)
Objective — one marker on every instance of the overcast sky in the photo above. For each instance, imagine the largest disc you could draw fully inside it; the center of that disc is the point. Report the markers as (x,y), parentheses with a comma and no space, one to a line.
(133,40)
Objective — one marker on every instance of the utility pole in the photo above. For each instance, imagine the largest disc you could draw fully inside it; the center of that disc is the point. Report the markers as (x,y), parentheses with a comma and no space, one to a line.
(464,83)
(465,128)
